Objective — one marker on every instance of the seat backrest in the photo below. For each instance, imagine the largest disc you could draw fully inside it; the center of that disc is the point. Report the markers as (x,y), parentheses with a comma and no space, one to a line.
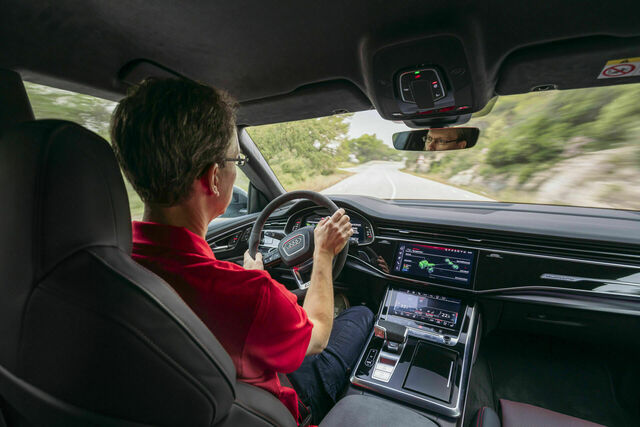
(14,103)
(79,319)
(87,335)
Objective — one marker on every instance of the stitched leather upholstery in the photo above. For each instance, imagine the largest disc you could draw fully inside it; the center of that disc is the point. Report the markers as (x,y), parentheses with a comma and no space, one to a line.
(88,335)
(516,414)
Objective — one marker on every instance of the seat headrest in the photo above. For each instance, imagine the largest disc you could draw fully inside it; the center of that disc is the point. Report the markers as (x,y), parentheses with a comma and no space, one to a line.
(15,107)
(62,191)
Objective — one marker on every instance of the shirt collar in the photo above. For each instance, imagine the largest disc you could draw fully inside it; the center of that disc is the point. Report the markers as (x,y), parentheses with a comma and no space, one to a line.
(168,236)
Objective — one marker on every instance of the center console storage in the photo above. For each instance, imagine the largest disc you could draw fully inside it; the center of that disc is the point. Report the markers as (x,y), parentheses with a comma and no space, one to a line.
(420,351)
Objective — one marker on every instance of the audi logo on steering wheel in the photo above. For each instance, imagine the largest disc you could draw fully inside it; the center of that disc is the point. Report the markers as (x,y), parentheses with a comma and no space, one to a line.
(294,244)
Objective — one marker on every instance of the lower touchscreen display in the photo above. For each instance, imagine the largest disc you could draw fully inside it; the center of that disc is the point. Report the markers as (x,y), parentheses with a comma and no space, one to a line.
(435,263)
(422,307)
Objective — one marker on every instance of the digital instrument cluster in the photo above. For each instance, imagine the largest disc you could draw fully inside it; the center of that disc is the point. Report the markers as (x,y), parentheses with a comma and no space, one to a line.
(362,229)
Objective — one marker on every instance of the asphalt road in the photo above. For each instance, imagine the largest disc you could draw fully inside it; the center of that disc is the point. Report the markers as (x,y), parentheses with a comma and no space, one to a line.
(385,181)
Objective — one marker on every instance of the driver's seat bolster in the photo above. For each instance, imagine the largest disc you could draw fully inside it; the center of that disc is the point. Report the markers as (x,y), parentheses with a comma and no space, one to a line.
(256,407)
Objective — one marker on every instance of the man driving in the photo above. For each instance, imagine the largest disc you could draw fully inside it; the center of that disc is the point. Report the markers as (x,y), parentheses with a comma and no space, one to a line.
(444,139)
(176,142)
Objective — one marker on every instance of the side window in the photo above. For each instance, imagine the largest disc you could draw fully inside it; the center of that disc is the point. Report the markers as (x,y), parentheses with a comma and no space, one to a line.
(240,199)
(88,111)
(95,114)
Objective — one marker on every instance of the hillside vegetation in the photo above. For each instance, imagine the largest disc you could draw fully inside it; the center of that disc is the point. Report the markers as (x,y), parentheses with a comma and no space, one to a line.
(308,154)
(578,147)
(305,154)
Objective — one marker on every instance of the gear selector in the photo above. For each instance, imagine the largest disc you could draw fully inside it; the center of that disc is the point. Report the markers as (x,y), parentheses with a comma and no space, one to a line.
(393,334)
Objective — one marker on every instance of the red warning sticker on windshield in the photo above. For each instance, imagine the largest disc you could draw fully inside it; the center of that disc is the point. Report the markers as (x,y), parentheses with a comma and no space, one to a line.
(627,67)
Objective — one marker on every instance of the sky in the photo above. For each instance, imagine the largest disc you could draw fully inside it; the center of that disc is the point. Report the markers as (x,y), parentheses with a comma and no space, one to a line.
(370,122)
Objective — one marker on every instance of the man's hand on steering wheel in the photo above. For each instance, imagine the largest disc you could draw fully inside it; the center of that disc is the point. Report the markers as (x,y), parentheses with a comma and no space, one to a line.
(296,250)
(332,233)
(253,264)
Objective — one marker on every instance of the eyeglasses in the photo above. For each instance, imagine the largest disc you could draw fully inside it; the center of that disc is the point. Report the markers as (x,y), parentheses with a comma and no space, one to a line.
(440,140)
(241,160)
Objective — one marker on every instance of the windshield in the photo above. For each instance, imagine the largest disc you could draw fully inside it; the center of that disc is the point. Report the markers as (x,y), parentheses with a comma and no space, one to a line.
(576,147)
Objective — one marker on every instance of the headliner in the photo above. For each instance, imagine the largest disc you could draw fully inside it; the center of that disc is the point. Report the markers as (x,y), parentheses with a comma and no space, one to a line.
(262,53)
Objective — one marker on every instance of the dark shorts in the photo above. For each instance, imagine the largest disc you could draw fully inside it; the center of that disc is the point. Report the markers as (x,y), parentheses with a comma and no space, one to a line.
(321,378)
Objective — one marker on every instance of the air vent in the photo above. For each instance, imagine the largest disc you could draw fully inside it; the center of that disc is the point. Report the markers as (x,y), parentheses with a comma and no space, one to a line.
(276,224)
(516,242)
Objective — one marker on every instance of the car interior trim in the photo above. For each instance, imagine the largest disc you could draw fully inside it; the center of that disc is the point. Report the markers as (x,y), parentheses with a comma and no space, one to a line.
(452,411)
(505,251)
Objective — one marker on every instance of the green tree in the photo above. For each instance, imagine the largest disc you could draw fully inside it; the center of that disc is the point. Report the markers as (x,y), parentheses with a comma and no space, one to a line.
(302,149)
(88,111)
(369,147)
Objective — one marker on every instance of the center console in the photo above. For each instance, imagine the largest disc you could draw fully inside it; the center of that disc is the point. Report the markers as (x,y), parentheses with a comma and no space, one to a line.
(421,347)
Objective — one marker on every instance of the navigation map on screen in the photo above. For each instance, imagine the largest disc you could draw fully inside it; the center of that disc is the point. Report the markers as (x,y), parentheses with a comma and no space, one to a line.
(435,262)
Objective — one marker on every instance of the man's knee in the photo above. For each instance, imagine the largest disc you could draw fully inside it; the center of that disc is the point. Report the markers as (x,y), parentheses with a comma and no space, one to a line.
(359,315)
(365,313)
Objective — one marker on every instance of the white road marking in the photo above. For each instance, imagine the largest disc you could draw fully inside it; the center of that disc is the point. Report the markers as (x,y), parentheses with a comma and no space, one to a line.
(393,186)
(368,180)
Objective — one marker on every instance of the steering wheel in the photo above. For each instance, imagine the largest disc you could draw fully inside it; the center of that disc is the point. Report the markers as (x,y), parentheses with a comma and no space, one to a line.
(295,250)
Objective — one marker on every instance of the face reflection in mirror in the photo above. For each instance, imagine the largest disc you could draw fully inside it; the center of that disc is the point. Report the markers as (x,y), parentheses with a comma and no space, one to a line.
(444,139)
(436,139)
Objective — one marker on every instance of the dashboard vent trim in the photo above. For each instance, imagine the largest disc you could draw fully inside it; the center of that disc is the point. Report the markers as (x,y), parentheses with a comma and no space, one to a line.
(278,224)
(519,242)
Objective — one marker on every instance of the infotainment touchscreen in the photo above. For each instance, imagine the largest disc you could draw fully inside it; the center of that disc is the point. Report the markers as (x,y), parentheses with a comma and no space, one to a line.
(435,263)
(421,307)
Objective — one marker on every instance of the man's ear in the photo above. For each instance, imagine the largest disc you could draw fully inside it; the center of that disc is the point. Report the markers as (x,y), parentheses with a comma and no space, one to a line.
(209,180)
(462,144)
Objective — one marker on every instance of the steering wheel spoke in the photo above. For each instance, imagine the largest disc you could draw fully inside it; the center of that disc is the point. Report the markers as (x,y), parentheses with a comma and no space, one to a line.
(297,276)
(272,258)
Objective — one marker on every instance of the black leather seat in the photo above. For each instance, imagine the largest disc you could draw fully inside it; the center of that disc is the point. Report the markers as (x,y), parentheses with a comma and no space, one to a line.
(87,335)
(516,414)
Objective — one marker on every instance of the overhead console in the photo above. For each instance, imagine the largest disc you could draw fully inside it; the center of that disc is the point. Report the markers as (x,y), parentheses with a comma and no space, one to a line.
(424,81)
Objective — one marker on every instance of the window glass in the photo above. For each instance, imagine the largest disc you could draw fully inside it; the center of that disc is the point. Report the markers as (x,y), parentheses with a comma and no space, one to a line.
(570,147)
(95,114)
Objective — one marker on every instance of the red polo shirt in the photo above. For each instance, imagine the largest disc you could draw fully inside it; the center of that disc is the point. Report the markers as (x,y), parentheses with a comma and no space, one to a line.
(256,319)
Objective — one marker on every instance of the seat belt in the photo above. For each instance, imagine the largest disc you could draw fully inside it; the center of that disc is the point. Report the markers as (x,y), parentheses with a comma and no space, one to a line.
(3,422)
(304,411)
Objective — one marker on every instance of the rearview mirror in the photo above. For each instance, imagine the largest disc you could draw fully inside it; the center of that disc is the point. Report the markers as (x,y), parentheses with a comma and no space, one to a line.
(436,139)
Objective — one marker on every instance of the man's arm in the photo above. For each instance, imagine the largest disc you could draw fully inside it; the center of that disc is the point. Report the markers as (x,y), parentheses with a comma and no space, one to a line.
(330,237)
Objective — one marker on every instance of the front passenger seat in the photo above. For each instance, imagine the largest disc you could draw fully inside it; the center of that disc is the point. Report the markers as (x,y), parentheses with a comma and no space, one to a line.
(88,336)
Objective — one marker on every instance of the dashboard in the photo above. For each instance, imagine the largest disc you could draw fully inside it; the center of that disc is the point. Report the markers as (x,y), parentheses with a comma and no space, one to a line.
(474,249)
